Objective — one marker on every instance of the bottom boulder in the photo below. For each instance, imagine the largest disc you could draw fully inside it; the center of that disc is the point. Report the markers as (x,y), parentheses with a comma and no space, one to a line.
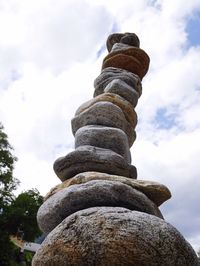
(114,236)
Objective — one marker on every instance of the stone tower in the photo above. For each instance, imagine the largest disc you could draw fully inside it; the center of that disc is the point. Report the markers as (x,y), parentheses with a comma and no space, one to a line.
(101,214)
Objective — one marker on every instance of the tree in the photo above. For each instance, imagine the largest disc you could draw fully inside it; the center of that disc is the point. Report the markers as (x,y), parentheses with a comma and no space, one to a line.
(24,210)
(17,214)
(7,182)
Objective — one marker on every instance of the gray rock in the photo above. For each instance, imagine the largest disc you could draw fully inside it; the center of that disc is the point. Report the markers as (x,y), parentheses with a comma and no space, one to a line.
(116,237)
(110,73)
(90,158)
(128,38)
(120,47)
(155,191)
(105,114)
(121,88)
(91,194)
(104,137)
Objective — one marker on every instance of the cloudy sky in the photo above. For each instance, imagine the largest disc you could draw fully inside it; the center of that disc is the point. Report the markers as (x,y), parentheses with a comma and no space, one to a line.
(50,54)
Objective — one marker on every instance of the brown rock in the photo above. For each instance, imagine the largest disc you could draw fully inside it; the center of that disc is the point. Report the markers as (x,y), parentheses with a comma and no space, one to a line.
(133,59)
(117,237)
(156,192)
(125,106)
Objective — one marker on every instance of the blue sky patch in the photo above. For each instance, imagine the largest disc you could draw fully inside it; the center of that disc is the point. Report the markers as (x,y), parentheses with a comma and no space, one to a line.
(163,120)
(193,29)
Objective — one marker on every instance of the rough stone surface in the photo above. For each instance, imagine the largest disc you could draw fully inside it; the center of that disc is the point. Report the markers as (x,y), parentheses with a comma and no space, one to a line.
(104,137)
(110,73)
(91,194)
(105,114)
(90,158)
(120,47)
(156,192)
(121,59)
(121,88)
(125,38)
(114,236)
(124,105)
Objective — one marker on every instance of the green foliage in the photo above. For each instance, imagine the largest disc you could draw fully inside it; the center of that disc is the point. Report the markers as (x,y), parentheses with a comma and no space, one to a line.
(24,209)
(7,182)
(17,214)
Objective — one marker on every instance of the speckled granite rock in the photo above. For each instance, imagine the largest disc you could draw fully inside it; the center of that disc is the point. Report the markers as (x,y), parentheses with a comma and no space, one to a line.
(104,137)
(114,236)
(132,59)
(91,194)
(110,73)
(121,88)
(90,158)
(105,114)
(117,100)
(156,192)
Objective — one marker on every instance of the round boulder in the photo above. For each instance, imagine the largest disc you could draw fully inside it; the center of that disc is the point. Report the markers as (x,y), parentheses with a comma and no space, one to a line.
(114,236)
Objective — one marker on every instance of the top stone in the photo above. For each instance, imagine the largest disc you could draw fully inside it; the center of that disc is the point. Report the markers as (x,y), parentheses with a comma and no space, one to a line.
(130,39)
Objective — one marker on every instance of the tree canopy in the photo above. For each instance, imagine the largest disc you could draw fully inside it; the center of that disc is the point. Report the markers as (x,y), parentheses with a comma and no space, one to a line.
(17,214)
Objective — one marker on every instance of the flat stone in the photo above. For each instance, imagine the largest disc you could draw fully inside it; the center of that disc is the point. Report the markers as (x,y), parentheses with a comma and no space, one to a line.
(91,194)
(104,137)
(125,106)
(133,59)
(125,38)
(155,191)
(121,88)
(110,73)
(114,236)
(89,158)
(104,114)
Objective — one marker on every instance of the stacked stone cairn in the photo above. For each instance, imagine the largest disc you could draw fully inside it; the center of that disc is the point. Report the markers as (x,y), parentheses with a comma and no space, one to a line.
(101,214)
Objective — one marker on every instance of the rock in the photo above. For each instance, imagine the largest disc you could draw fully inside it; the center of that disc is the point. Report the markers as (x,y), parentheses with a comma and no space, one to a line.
(104,137)
(89,158)
(124,105)
(126,38)
(133,59)
(155,191)
(119,47)
(105,114)
(110,73)
(91,194)
(114,236)
(112,39)
(121,88)
(130,39)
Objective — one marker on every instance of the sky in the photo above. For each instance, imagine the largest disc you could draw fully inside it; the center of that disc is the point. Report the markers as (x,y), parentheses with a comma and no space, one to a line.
(50,54)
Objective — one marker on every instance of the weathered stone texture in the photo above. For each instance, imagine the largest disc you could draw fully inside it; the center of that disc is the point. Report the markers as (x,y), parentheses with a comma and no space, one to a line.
(104,137)
(105,114)
(117,100)
(133,59)
(91,194)
(127,38)
(110,73)
(114,236)
(156,192)
(89,158)
(121,88)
